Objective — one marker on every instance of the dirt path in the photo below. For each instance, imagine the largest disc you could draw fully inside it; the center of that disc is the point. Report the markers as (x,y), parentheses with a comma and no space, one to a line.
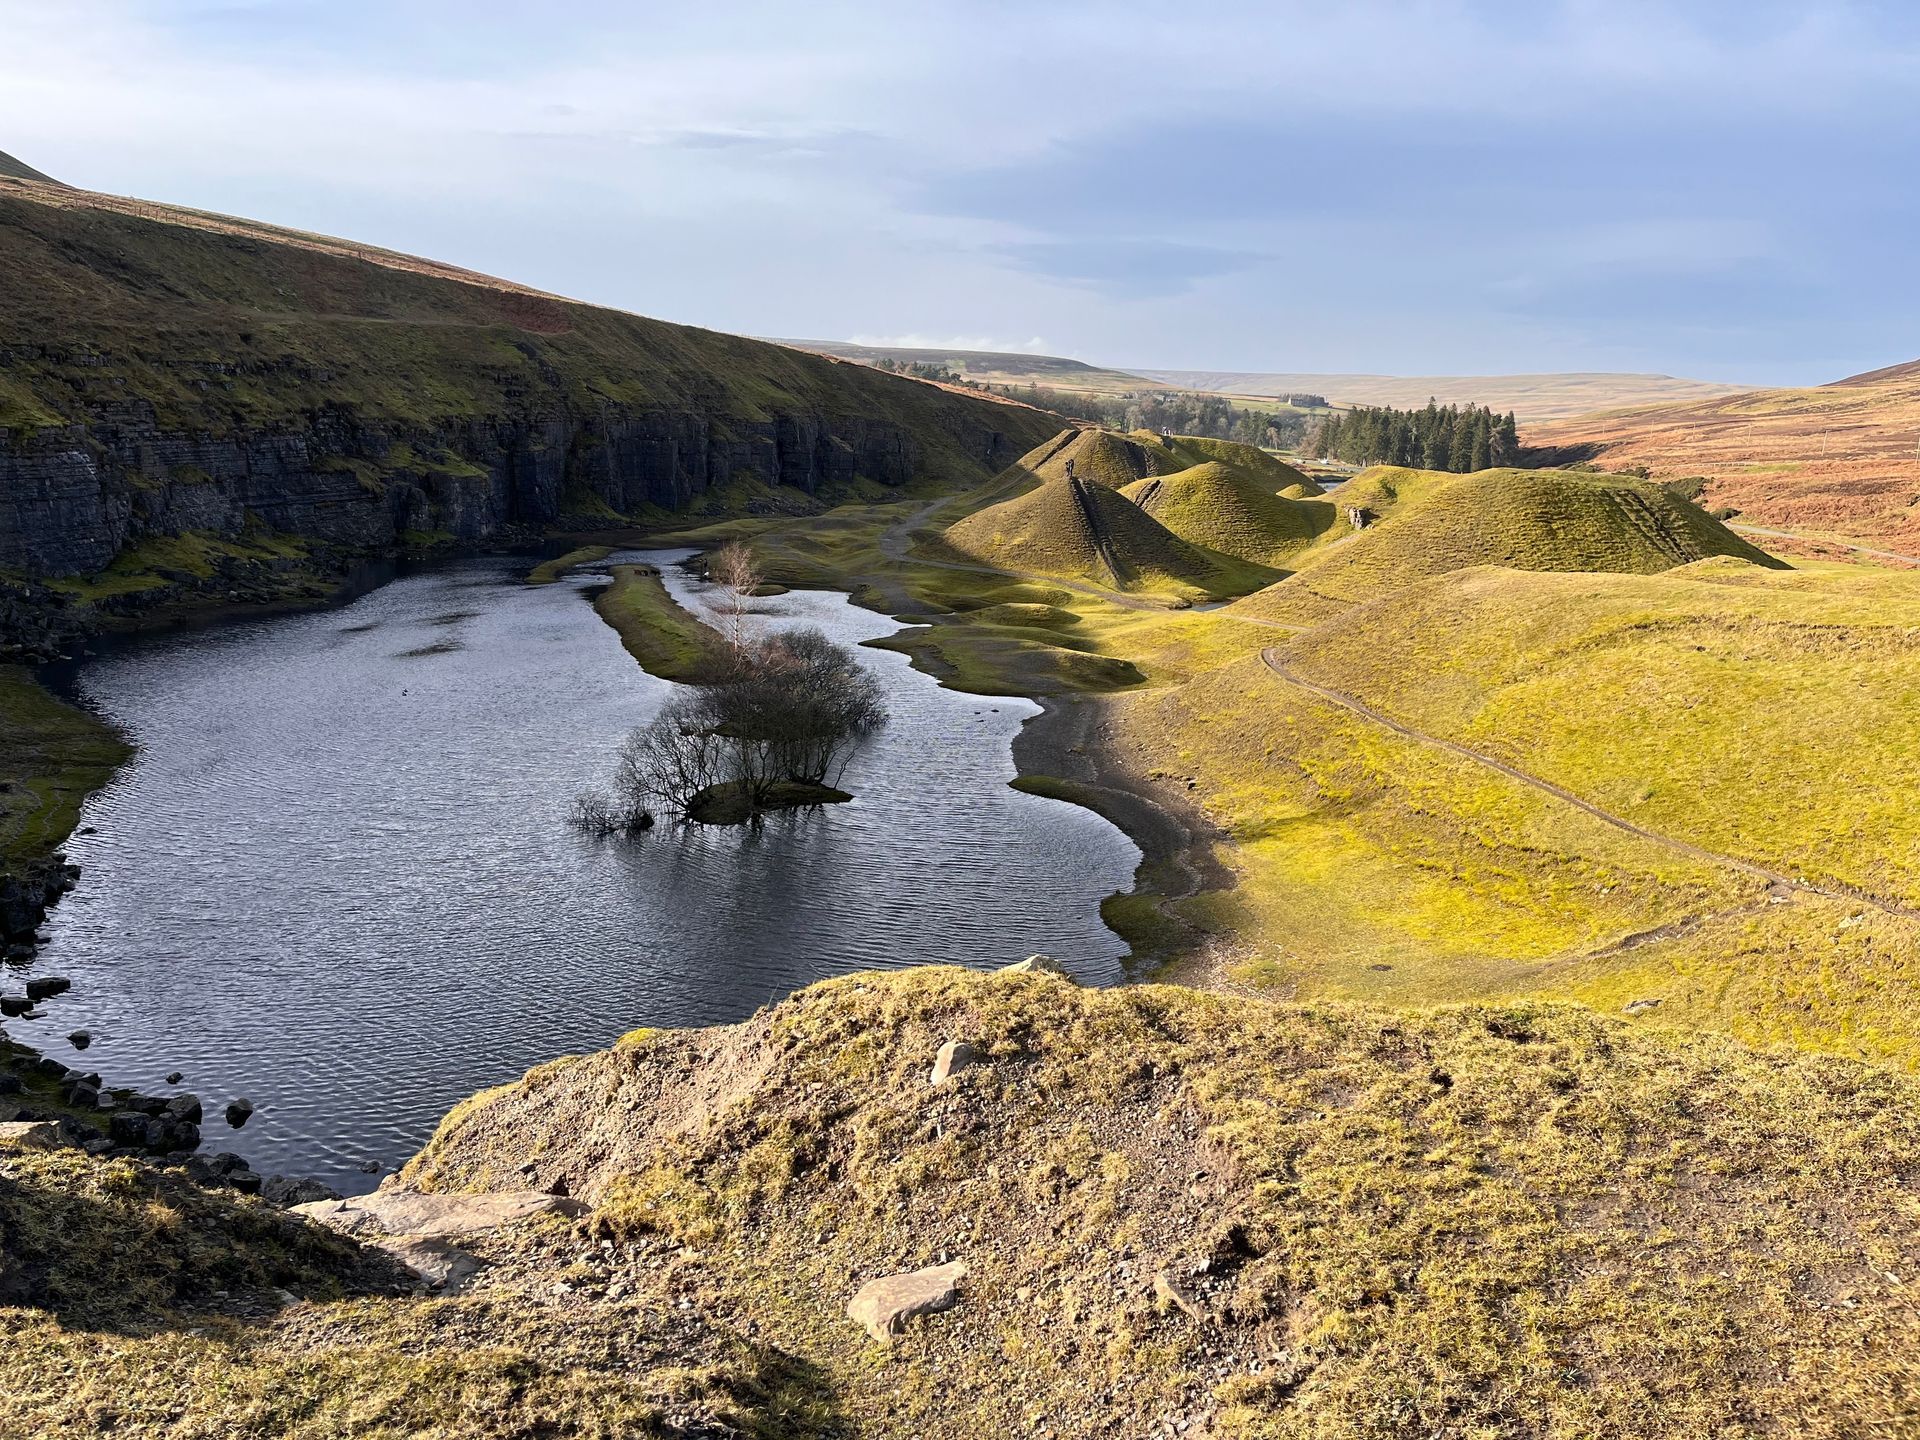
(1824,540)
(1683,847)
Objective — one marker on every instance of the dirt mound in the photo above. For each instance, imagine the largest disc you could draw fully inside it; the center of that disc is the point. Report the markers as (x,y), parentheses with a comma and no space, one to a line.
(1174,1206)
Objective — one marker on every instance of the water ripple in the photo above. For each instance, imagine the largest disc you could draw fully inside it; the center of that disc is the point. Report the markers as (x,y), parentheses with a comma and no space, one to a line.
(339,880)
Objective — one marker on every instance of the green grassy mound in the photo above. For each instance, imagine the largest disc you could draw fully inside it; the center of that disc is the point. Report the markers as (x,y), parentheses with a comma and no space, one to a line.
(1218,507)
(1298,1221)
(1301,490)
(1181,452)
(1426,523)
(1086,531)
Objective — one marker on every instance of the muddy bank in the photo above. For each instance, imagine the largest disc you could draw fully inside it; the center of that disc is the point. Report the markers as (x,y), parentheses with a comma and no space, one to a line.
(1068,752)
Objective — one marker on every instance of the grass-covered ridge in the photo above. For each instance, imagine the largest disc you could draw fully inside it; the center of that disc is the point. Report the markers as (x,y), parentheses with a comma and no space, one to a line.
(1085,530)
(1217,506)
(226,326)
(1527,1220)
(1419,523)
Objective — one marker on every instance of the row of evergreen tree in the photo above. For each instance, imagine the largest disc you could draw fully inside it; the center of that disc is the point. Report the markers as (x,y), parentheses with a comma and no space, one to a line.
(1440,437)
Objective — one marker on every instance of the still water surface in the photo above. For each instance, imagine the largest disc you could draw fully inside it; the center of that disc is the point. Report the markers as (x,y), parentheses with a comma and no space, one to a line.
(337,876)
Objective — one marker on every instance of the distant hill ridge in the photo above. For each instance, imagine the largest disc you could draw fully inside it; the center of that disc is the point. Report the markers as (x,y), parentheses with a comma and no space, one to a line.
(18,170)
(176,373)
(1530,396)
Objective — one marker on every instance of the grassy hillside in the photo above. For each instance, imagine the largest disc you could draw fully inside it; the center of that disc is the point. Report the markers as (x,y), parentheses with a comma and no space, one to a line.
(1177,452)
(991,367)
(224,325)
(13,169)
(1531,397)
(1083,530)
(1828,461)
(1295,1221)
(1215,506)
(1427,523)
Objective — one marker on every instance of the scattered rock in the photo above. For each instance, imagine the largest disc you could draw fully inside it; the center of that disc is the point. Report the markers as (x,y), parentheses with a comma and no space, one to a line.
(10,1083)
(31,1135)
(80,1039)
(405,1212)
(1037,965)
(14,1005)
(185,1107)
(884,1306)
(44,987)
(239,1112)
(1639,1007)
(954,1056)
(1170,1294)
(174,1077)
(368,1167)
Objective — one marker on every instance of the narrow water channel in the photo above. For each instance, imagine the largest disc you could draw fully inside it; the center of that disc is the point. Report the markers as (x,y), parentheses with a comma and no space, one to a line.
(337,877)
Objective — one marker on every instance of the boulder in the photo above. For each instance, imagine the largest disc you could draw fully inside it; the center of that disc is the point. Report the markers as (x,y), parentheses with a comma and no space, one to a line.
(287,1191)
(14,1005)
(440,1265)
(239,1112)
(43,987)
(174,1077)
(30,1135)
(80,1039)
(884,1306)
(10,1083)
(1038,965)
(184,1107)
(127,1128)
(954,1056)
(405,1212)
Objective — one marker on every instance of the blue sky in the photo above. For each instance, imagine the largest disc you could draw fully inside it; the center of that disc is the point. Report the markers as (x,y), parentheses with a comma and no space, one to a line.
(1718,190)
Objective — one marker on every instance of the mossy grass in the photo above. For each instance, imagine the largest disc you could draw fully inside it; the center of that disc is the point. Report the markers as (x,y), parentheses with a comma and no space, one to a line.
(52,756)
(1526,1217)
(549,571)
(655,628)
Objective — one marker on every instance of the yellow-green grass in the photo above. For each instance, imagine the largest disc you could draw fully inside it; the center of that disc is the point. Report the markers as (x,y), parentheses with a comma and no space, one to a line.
(1427,523)
(548,571)
(1516,1221)
(1304,490)
(1358,848)
(1766,714)
(1181,452)
(655,628)
(1088,532)
(1218,507)
(134,1304)
(52,756)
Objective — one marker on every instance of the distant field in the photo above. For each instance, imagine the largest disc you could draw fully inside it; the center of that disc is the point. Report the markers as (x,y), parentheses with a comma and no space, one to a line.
(1838,460)
(991,367)
(1530,397)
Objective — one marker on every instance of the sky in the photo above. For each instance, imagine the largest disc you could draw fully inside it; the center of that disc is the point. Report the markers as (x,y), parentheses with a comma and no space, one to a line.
(1723,191)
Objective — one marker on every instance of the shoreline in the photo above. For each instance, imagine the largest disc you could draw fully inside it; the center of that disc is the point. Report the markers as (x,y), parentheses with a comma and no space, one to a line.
(1066,753)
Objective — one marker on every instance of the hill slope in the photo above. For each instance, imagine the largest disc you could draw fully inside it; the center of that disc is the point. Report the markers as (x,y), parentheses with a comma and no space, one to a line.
(173,371)
(1830,460)
(1291,1220)
(1218,507)
(1429,522)
(1076,528)
(13,169)
(1530,397)
(993,367)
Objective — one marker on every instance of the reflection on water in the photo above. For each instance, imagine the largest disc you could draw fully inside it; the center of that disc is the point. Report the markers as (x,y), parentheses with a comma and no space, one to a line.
(337,877)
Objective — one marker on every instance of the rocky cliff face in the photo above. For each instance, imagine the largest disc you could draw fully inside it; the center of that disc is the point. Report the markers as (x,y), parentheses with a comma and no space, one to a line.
(72,497)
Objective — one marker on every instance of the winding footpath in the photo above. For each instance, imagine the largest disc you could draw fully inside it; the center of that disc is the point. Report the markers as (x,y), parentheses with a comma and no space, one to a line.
(1825,540)
(1684,847)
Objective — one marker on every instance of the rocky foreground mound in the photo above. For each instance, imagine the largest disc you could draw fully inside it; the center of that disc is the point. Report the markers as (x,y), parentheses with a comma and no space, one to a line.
(933,1203)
